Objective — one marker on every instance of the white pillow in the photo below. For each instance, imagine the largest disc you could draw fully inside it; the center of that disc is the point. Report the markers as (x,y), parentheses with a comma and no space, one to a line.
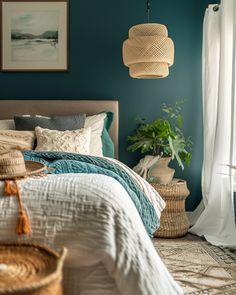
(71,141)
(7,125)
(96,123)
(12,139)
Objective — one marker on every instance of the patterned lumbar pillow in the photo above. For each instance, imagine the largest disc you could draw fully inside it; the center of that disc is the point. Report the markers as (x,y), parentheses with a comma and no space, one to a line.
(11,139)
(75,141)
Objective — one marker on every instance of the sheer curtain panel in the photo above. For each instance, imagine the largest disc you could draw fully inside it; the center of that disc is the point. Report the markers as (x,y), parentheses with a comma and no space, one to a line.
(215,216)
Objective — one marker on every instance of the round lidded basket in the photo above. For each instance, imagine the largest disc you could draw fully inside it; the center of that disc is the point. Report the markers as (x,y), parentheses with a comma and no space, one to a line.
(174,221)
(29,269)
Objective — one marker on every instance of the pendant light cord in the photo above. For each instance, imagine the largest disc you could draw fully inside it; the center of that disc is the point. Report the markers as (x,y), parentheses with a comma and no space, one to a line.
(148,10)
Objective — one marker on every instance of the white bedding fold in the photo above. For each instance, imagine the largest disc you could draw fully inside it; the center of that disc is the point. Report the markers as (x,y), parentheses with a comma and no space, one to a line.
(95,218)
(153,196)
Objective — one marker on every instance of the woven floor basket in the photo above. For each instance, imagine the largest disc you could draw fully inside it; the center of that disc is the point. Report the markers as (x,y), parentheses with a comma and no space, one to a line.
(27,269)
(174,221)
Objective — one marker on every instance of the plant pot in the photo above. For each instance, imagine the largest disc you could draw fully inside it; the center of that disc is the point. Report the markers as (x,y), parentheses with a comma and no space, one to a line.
(144,164)
(160,172)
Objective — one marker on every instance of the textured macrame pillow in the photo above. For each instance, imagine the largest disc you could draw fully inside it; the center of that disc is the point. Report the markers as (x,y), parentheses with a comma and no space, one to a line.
(11,139)
(74,141)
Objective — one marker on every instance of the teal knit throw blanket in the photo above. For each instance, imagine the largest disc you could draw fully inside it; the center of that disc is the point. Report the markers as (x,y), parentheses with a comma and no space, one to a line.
(75,163)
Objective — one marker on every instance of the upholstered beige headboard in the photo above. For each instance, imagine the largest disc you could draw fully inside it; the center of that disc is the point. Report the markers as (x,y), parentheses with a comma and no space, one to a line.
(10,108)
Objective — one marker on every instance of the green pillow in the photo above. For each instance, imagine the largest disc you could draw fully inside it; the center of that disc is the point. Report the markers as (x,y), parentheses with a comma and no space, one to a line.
(108,148)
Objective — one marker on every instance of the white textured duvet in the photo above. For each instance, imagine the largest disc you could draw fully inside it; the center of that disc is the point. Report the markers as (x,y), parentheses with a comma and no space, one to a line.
(93,216)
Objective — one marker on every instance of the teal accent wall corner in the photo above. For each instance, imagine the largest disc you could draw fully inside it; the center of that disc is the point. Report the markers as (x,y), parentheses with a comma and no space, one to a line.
(97,30)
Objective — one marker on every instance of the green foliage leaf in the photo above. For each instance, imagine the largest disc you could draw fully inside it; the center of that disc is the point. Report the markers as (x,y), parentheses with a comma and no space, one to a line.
(180,121)
(163,136)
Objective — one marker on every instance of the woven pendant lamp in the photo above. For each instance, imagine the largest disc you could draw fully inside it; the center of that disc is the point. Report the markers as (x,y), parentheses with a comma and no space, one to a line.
(148,52)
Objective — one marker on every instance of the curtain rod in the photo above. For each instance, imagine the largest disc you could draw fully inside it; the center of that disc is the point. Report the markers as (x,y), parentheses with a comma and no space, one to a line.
(216,7)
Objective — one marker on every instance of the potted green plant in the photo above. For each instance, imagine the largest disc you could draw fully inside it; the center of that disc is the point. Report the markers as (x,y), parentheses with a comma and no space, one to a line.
(165,140)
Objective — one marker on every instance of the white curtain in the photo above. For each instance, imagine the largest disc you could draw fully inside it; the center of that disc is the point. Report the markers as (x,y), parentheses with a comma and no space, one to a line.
(214,218)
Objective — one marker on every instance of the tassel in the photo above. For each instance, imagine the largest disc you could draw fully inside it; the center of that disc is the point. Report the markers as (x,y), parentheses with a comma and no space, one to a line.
(10,188)
(23,224)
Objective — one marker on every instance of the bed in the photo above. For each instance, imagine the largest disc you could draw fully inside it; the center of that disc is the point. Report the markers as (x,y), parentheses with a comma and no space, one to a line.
(100,213)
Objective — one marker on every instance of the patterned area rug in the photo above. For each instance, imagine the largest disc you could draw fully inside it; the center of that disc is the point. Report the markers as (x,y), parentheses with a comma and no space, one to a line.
(199,267)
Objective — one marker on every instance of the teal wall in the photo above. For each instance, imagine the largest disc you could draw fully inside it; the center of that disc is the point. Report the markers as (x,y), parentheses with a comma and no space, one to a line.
(97,30)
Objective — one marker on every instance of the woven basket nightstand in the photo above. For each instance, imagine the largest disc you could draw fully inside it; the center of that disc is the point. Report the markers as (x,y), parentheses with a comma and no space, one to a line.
(27,269)
(174,221)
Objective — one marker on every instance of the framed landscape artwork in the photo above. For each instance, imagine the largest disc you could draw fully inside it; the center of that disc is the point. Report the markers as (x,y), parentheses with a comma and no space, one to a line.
(34,35)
